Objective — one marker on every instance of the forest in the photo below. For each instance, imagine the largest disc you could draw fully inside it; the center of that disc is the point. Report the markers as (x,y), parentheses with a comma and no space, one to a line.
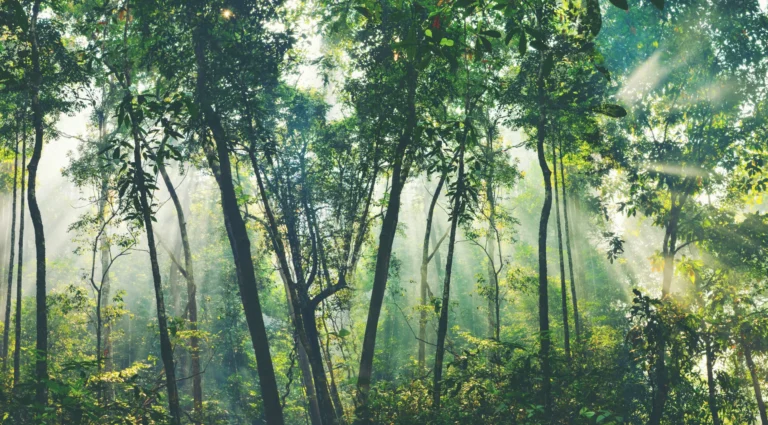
(329,212)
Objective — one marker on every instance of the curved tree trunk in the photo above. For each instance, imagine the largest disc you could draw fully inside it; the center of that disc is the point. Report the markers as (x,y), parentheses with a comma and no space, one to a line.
(166,350)
(425,259)
(442,324)
(306,371)
(711,385)
(563,291)
(239,241)
(544,349)
(189,275)
(576,317)
(19,273)
(755,381)
(386,239)
(41,342)
(7,328)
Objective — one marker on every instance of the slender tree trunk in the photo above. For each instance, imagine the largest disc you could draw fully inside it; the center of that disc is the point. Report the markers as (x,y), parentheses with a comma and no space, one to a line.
(7,327)
(239,241)
(661,392)
(166,350)
(579,252)
(4,248)
(41,343)
(174,285)
(755,381)
(189,275)
(670,246)
(563,290)
(494,328)
(386,239)
(442,326)
(105,337)
(711,385)
(425,259)
(306,322)
(20,271)
(306,371)
(337,405)
(546,209)
(576,317)
(661,386)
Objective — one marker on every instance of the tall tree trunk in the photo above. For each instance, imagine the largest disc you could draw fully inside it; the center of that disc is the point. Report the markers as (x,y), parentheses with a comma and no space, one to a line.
(239,241)
(442,324)
(166,350)
(545,338)
(755,380)
(19,272)
(711,385)
(563,290)
(306,371)
(670,246)
(41,343)
(337,405)
(576,317)
(661,391)
(174,288)
(492,240)
(494,327)
(305,320)
(386,239)
(661,384)
(7,327)
(425,259)
(105,337)
(189,275)
(580,253)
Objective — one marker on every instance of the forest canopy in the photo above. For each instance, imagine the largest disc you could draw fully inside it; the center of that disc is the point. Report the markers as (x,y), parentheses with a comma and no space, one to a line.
(401,212)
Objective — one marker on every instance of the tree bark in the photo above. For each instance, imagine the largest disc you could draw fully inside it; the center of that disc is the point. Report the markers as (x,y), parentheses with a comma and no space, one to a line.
(386,239)
(442,326)
(19,273)
(711,385)
(189,275)
(304,317)
(239,241)
(425,259)
(7,328)
(166,350)
(563,291)
(545,342)
(41,342)
(755,381)
(576,317)
(306,372)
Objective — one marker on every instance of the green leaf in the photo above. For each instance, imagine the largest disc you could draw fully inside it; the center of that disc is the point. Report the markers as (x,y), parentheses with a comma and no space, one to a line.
(658,3)
(611,110)
(491,33)
(363,11)
(486,44)
(446,42)
(621,4)
(594,19)
(428,33)
(522,46)
(343,333)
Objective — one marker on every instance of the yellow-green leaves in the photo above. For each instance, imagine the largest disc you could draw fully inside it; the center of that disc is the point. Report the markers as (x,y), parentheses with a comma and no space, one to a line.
(611,110)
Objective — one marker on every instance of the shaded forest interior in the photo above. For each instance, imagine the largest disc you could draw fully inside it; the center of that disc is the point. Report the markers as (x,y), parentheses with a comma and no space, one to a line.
(384,212)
